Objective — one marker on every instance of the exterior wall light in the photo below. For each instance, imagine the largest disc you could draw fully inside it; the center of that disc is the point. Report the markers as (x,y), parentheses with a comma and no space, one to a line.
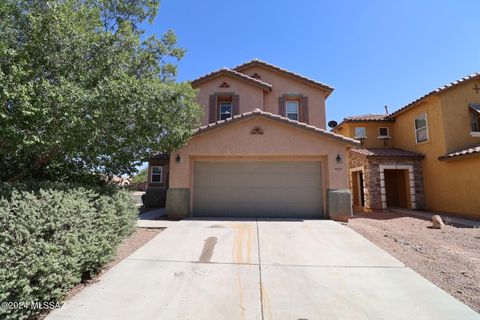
(178,159)
(339,158)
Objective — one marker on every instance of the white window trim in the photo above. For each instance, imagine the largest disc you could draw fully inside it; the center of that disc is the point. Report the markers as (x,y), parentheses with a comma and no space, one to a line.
(152,174)
(476,117)
(360,137)
(426,128)
(286,109)
(220,109)
(383,136)
(475,134)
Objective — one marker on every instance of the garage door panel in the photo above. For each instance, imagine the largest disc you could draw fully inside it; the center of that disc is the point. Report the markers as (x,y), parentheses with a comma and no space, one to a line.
(265,189)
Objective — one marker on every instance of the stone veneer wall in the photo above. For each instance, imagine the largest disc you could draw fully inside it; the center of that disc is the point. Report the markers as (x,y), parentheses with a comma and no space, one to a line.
(373,179)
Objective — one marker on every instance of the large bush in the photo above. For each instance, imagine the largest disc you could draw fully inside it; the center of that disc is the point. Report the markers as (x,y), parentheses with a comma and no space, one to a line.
(54,236)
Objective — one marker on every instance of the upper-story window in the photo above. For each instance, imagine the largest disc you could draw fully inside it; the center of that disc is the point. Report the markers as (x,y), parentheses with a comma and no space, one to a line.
(421,129)
(156,174)
(225,109)
(383,132)
(475,117)
(292,110)
(360,133)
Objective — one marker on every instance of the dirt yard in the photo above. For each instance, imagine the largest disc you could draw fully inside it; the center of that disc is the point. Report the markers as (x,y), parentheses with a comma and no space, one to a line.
(449,257)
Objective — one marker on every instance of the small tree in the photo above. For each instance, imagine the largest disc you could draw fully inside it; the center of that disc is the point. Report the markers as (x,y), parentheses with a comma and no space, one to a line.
(141,176)
(82,91)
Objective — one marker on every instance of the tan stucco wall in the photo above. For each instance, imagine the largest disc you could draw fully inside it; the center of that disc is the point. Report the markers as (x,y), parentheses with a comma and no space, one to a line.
(283,84)
(371,129)
(250,96)
(279,142)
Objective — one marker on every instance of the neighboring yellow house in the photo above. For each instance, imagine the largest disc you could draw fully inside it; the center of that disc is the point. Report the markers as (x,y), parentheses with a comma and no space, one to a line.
(425,155)
(262,150)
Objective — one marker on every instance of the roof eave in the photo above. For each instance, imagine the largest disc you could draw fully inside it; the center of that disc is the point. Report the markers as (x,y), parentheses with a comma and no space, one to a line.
(282,120)
(328,89)
(197,82)
(460,156)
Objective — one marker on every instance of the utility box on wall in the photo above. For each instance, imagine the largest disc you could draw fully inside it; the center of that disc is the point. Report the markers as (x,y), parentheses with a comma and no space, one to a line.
(339,204)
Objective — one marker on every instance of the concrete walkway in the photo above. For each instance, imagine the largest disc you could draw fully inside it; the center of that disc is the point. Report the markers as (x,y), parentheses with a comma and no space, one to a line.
(241,269)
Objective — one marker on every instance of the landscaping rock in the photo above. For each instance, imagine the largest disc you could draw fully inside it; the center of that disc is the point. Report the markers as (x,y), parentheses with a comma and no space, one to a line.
(437,222)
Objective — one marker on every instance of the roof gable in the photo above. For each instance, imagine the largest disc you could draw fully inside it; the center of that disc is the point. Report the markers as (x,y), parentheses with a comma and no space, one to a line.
(257,62)
(280,119)
(436,92)
(229,72)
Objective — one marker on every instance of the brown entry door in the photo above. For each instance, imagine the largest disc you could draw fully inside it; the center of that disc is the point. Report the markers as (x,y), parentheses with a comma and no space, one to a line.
(396,188)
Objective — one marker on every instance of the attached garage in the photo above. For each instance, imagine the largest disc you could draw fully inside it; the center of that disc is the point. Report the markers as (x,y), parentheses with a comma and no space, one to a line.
(282,189)
(257,164)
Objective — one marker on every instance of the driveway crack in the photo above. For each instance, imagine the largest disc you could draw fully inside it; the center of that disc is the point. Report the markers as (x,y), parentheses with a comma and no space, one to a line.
(260,270)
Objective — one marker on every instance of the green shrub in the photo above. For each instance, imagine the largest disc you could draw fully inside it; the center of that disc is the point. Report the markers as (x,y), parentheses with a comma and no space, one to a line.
(53,236)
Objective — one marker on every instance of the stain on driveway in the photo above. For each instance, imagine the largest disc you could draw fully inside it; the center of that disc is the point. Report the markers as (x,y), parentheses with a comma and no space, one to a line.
(208,248)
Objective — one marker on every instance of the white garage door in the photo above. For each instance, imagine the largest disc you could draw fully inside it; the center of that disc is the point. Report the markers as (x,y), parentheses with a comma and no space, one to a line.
(257,189)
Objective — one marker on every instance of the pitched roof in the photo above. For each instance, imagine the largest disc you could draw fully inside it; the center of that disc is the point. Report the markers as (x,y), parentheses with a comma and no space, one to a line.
(368,117)
(473,150)
(160,156)
(253,62)
(435,92)
(276,117)
(233,73)
(386,153)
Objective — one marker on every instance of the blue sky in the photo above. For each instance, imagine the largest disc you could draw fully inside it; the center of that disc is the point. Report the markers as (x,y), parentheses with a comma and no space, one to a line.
(374,53)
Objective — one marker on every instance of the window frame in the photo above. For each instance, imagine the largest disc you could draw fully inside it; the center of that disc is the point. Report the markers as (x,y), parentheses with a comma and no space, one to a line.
(474,121)
(296,113)
(418,129)
(229,102)
(364,133)
(382,136)
(156,174)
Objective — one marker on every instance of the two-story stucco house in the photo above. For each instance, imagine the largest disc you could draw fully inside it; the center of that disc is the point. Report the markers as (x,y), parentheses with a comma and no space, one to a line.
(424,155)
(262,149)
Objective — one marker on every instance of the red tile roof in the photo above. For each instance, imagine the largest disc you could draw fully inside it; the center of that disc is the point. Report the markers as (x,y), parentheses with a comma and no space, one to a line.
(253,62)
(160,156)
(387,153)
(233,73)
(473,150)
(435,92)
(276,117)
(368,117)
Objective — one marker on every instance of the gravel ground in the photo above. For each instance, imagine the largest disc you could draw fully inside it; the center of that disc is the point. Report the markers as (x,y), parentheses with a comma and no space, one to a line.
(450,257)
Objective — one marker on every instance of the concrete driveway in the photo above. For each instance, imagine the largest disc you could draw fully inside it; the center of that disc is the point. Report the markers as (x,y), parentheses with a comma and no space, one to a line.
(313,269)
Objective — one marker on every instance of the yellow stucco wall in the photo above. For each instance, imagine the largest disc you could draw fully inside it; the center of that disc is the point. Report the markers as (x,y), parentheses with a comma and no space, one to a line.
(450,186)
(456,116)
(282,84)
(371,128)
(279,142)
